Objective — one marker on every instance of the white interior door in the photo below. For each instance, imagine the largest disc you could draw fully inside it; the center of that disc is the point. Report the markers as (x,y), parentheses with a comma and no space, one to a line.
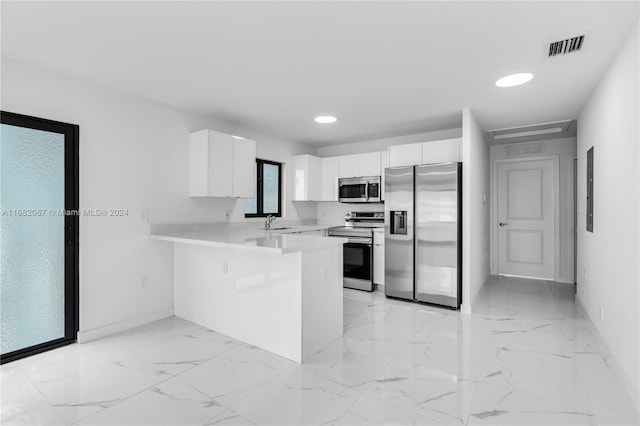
(526,218)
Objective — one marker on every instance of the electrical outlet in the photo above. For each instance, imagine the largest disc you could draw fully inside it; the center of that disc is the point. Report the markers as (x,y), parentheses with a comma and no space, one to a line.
(323,274)
(225,267)
(144,215)
(144,281)
(585,277)
(484,198)
(601,314)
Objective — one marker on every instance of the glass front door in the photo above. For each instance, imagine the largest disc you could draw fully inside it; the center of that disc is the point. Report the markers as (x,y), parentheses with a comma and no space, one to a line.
(38,235)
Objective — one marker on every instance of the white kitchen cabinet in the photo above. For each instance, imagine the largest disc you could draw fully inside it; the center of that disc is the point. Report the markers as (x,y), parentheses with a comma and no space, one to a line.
(443,151)
(243,169)
(349,166)
(405,155)
(370,164)
(384,164)
(330,174)
(221,165)
(378,256)
(307,178)
(357,165)
(315,179)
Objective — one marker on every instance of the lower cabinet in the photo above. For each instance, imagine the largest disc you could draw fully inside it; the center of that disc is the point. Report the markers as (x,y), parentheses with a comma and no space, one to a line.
(378,258)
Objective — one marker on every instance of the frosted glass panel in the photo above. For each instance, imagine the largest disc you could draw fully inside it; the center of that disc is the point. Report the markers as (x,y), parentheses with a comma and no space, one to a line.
(271,185)
(31,237)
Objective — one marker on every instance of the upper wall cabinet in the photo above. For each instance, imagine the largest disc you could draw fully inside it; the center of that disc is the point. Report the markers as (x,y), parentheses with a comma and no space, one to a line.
(349,166)
(330,174)
(443,151)
(221,165)
(315,179)
(405,155)
(360,165)
(370,164)
(307,178)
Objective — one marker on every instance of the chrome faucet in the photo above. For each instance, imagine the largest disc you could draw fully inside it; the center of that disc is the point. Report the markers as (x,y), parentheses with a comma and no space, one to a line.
(268,220)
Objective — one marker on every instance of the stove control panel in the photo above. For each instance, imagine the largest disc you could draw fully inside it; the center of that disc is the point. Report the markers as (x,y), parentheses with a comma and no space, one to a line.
(364,215)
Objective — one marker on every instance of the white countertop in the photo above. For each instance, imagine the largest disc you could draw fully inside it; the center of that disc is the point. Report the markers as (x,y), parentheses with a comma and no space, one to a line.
(274,241)
(298,228)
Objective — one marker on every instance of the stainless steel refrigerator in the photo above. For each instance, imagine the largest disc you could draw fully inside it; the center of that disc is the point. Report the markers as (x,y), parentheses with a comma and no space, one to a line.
(423,233)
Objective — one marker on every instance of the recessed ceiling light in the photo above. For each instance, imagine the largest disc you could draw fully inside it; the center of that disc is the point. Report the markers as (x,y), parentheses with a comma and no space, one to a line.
(514,79)
(325,119)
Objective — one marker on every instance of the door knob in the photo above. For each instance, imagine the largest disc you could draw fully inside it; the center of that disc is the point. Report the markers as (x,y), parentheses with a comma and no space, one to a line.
(504,223)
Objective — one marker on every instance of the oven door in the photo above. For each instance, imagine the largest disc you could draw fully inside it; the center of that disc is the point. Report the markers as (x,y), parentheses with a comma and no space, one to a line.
(353,192)
(358,265)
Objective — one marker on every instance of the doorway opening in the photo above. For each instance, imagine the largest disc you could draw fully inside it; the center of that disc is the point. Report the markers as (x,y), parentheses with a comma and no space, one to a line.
(526,213)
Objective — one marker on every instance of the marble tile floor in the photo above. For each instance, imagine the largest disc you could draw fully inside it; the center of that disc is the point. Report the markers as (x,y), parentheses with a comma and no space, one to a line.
(527,355)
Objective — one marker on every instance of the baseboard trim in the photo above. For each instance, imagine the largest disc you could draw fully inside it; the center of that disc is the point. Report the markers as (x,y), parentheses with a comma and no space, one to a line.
(564,281)
(629,387)
(526,277)
(107,330)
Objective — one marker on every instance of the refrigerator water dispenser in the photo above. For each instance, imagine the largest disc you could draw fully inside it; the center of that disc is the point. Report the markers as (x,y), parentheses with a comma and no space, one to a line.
(398,222)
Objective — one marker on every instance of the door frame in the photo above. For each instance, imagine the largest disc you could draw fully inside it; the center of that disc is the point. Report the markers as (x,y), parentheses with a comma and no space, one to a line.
(493,214)
(71,134)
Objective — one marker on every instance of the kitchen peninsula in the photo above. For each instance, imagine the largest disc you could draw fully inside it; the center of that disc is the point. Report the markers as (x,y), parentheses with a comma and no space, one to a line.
(278,291)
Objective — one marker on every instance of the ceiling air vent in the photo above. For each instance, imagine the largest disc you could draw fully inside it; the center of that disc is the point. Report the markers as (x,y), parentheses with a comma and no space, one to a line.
(562,47)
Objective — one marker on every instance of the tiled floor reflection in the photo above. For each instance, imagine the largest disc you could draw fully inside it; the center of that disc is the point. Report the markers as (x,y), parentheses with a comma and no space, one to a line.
(525,356)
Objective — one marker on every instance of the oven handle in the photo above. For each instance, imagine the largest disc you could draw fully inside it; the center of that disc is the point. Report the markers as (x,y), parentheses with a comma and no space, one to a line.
(357,240)
(366,191)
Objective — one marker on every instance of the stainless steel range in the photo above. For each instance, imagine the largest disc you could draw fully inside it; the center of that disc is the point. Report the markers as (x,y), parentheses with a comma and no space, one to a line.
(358,251)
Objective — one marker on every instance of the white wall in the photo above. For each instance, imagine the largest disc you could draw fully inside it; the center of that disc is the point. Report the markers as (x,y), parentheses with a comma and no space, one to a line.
(475,210)
(133,155)
(565,150)
(383,144)
(609,258)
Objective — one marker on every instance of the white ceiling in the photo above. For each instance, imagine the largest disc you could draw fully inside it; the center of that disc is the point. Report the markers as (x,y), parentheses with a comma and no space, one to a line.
(384,68)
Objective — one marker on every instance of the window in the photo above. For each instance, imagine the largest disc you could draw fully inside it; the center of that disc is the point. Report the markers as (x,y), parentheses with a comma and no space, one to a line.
(268,190)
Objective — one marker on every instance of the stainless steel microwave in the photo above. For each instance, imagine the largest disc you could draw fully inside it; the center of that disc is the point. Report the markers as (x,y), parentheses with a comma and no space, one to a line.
(359,190)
